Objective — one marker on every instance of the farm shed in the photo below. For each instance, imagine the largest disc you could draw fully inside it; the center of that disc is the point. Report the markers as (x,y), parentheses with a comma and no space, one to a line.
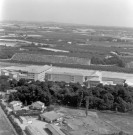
(50,116)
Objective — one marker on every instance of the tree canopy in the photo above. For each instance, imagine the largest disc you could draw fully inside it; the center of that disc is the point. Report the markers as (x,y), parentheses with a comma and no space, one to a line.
(107,97)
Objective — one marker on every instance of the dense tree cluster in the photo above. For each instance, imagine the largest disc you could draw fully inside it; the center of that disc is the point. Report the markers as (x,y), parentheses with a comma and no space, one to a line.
(110,61)
(4,83)
(108,97)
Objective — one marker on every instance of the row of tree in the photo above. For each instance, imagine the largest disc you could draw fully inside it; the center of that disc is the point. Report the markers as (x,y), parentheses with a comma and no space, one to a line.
(114,60)
(108,97)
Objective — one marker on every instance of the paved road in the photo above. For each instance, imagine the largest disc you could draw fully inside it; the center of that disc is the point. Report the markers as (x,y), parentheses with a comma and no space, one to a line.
(5,127)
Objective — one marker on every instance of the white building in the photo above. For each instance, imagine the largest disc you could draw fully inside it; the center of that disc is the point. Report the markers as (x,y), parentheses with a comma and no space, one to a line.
(91,77)
(28,72)
(51,73)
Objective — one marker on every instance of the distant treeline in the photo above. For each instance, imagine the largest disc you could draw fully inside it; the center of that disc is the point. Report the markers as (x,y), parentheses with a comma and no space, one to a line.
(108,61)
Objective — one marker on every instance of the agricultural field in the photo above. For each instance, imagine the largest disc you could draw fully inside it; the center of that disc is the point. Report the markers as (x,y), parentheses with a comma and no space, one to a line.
(65,39)
(49,58)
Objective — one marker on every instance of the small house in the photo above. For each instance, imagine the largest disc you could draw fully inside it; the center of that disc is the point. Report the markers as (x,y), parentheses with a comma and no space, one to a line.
(15,105)
(50,117)
(38,105)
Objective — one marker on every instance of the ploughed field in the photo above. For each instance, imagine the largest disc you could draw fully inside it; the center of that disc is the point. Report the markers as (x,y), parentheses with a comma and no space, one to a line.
(5,128)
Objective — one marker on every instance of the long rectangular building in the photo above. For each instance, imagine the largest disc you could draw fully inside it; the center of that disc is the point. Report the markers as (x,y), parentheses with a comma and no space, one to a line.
(27,72)
(52,73)
(68,75)
(91,77)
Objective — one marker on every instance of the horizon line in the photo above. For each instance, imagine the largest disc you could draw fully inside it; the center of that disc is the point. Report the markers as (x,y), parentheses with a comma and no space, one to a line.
(78,24)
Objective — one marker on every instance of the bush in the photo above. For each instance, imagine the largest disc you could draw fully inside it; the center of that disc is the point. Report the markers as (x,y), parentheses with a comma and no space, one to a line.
(15,125)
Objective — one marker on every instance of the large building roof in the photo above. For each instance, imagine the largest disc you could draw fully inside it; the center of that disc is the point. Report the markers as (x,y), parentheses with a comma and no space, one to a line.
(85,72)
(73,71)
(29,69)
(52,115)
(37,69)
(64,73)
(117,75)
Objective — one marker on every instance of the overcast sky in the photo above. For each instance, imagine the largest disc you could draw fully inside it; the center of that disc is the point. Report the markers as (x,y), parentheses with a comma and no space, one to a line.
(91,12)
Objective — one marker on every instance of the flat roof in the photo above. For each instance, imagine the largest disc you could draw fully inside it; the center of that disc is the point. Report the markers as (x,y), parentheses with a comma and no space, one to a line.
(37,69)
(112,79)
(52,115)
(71,71)
(85,72)
(118,75)
(64,73)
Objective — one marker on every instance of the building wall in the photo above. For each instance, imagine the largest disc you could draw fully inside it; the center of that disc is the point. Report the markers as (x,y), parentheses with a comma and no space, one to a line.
(94,83)
(64,77)
(41,76)
(3,72)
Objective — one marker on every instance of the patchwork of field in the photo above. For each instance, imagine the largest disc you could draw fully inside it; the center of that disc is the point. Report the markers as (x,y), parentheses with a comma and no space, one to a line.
(5,128)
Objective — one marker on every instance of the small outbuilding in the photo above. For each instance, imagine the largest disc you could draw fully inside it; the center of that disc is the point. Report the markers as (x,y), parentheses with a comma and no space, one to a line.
(50,117)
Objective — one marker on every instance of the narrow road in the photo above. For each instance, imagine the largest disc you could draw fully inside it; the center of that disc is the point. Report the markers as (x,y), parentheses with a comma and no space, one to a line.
(6,127)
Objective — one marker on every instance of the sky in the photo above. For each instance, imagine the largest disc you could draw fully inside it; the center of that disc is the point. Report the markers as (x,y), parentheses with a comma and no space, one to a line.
(90,12)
